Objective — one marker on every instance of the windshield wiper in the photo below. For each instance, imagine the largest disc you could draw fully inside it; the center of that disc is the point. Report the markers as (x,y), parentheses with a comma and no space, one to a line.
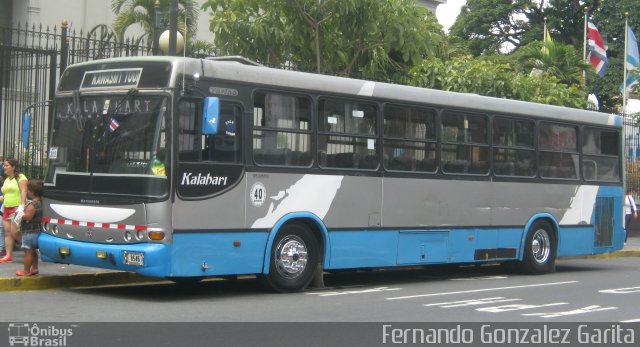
(131,92)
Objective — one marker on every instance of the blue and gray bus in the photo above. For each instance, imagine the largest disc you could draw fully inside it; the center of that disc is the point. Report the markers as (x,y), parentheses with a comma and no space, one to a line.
(180,168)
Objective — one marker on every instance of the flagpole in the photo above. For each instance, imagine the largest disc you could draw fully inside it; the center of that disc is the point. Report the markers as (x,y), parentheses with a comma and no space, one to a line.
(544,37)
(584,45)
(624,67)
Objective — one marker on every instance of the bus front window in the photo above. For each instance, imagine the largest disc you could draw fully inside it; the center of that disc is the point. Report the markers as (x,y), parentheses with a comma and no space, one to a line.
(112,135)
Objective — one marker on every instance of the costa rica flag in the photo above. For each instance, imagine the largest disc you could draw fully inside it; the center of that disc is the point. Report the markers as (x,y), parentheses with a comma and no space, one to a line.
(113,124)
(597,50)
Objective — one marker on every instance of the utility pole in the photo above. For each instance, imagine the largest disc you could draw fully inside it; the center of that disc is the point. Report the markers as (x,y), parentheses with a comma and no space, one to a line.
(173,28)
(156,28)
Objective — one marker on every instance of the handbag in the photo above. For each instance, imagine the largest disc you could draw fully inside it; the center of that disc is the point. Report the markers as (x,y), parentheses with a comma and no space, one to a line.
(17,216)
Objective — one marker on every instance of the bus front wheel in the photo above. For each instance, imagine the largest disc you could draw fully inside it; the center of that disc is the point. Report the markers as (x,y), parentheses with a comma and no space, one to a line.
(539,249)
(293,258)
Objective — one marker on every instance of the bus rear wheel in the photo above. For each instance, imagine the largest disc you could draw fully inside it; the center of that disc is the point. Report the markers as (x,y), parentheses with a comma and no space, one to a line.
(539,249)
(293,258)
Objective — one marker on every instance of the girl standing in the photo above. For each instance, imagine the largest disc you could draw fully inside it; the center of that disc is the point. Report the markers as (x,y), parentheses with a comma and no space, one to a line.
(30,228)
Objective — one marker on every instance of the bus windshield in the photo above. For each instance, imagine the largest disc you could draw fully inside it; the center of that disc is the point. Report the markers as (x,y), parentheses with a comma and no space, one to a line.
(99,140)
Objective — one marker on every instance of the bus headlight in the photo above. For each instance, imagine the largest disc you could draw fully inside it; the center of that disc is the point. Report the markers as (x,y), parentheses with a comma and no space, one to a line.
(127,236)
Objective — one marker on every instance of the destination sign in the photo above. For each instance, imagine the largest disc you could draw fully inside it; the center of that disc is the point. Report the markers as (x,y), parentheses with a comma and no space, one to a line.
(111,78)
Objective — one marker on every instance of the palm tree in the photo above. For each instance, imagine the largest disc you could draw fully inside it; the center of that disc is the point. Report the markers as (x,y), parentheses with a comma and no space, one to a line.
(143,13)
(556,59)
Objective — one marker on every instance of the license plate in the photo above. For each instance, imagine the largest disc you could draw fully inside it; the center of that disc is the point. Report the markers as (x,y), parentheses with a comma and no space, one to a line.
(134,258)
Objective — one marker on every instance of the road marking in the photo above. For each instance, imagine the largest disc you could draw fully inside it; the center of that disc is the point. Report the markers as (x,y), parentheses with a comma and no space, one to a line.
(480,278)
(516,307)
(621,290)
(588,309)
(480,290)
(631,321)
(349,292)
(472,302)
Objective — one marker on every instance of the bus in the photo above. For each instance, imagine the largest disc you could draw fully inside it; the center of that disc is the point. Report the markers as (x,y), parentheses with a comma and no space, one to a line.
(184,168)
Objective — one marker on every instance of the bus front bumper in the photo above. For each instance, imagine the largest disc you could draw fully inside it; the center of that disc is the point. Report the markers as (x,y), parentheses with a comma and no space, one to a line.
(147,259)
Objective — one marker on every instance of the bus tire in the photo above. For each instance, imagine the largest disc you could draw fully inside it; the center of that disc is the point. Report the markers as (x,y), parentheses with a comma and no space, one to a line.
(293,258)
(539,249)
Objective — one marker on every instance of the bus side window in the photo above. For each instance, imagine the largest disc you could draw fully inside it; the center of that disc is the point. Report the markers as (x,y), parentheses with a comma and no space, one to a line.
(225,145)
(410,139)
(513,147)
(281,129)
(189,141)
(601,155)
(558,151)
(347,134)
(465,148)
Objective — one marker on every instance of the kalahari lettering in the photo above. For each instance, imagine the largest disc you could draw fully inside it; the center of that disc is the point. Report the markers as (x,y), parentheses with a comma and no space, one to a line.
(93,106)
(189,179)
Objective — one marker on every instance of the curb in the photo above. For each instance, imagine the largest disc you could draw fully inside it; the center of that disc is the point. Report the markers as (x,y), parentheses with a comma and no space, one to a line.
(616,254)
(70,281)
(43,282)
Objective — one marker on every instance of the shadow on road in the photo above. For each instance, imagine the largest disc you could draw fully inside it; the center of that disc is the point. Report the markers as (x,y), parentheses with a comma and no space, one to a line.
(221,289)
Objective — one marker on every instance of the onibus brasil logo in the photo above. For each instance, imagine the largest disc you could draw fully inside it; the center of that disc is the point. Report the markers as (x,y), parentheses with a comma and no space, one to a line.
(25,334)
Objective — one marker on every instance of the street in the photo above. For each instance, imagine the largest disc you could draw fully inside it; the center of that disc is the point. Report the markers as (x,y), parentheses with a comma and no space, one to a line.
(582,290)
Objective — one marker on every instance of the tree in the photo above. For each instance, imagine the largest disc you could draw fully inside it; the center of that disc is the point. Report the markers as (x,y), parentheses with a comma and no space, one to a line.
(143,13)
(490,25)
(556,59)
(565,19)
(487,77)
(377,38)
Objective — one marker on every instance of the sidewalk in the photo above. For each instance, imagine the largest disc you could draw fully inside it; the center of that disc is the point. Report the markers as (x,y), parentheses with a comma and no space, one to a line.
(54,275)
(66,276)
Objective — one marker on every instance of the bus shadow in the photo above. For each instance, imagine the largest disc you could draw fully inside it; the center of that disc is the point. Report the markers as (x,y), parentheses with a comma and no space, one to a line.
(168,291)
(344,279)
(250,286)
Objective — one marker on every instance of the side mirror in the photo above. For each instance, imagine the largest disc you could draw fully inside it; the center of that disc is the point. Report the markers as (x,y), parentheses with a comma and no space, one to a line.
(211,115)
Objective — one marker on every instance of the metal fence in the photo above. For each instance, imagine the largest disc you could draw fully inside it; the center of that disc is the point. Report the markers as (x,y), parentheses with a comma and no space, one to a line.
(632,152)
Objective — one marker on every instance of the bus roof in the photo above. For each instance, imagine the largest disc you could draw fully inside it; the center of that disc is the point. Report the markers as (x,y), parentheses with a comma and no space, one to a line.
(400,93)
(304,81)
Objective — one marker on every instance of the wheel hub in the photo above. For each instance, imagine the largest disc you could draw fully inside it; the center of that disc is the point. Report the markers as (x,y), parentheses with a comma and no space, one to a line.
(291,256)
(541,246)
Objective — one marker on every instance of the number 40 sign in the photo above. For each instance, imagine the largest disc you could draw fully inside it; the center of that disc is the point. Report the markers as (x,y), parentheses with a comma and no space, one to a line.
(257,194)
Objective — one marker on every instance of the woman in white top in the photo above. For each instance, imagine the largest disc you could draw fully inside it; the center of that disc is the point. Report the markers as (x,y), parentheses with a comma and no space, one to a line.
(630,209)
